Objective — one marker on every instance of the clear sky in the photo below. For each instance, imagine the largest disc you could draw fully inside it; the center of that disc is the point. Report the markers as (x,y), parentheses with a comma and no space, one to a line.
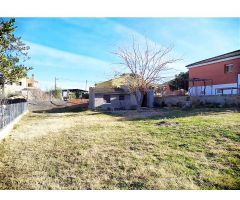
(78,49)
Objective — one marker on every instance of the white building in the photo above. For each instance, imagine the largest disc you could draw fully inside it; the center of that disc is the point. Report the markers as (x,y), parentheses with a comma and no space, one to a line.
(13,88)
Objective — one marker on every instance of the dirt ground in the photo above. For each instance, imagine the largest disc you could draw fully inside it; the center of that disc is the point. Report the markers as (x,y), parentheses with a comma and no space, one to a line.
(56,104)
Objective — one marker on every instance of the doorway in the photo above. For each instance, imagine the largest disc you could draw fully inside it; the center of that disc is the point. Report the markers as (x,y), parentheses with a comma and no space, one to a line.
(144,102)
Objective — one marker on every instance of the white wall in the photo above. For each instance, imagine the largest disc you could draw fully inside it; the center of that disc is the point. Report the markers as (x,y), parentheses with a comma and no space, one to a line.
(211,90)
(128,102)
(10,89)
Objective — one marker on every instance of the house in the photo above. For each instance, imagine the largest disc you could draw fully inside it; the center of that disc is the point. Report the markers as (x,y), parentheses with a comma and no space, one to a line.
(115,95)
(215,76)
(24,83)
(30,82)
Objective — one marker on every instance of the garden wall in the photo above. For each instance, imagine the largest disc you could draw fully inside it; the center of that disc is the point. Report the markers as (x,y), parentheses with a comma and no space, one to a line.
(188,101)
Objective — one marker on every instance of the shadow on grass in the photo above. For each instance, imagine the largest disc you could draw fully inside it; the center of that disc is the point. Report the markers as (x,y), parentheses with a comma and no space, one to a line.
(67,109)
(162,113)
(144,113)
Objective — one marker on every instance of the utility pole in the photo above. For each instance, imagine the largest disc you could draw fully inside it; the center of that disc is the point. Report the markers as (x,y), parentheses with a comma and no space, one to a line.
(86,86)
(55,85)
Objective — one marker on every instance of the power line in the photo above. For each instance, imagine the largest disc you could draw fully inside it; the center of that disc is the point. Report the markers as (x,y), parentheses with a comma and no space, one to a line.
(72,80)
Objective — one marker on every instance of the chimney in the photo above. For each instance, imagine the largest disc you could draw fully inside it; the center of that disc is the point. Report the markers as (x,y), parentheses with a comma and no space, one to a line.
(32,76)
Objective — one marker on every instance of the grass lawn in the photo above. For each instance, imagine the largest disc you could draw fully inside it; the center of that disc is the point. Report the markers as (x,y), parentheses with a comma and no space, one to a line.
(164,149)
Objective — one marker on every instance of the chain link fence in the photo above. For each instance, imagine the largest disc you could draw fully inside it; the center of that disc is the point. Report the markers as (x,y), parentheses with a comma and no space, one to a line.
(9,112)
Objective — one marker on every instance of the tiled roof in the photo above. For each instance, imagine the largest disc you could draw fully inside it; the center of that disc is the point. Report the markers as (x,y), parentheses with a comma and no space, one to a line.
(106,90)
(216,58)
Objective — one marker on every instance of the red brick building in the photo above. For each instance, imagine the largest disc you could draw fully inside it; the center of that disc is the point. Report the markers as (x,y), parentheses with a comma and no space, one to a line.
(216,75)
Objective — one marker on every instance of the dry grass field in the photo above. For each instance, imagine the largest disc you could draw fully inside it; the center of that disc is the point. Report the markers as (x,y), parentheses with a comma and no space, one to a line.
(161,149)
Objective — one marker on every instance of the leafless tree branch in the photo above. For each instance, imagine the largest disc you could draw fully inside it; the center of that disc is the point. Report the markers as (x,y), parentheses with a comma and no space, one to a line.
(146,64)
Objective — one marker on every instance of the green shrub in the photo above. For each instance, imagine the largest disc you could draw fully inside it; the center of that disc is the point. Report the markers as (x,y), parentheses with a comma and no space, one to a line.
(57,93)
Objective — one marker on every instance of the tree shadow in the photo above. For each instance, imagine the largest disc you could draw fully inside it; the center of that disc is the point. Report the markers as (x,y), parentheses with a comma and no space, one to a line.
(66,109)
(142,114)
(165,113)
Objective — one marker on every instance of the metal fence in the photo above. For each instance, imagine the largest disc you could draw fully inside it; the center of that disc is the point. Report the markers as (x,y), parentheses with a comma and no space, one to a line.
(9,112)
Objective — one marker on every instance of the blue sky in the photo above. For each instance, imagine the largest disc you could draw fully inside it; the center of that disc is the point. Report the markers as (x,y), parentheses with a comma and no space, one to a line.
(78,49)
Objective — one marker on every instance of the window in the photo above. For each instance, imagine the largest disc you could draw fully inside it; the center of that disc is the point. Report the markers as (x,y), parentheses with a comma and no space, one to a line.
(228,68)
(121,97)
(107,98)
(20,83)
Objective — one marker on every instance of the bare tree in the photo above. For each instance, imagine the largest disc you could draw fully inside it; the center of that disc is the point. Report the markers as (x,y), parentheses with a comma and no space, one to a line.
(146,65)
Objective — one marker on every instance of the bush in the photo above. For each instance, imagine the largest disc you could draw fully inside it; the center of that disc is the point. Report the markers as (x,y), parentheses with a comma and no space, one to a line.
(57,93)
(72,95)
(85,96)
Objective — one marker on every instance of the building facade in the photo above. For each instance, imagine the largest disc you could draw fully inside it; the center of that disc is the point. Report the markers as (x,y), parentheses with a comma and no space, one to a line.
(23,83)
(111,99)
(115,95)
(215,76)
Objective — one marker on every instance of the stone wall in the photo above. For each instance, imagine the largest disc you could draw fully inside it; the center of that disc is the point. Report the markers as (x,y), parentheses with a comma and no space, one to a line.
(188,101)
(225,100)
(170,101)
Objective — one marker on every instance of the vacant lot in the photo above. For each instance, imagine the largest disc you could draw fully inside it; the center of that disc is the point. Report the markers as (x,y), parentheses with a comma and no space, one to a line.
(161,149)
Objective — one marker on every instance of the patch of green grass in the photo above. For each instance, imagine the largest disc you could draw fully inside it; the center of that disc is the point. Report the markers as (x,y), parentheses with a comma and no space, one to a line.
(194,149)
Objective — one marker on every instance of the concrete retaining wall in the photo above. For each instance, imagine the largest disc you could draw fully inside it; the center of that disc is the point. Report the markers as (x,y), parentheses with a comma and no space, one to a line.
(170,101)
